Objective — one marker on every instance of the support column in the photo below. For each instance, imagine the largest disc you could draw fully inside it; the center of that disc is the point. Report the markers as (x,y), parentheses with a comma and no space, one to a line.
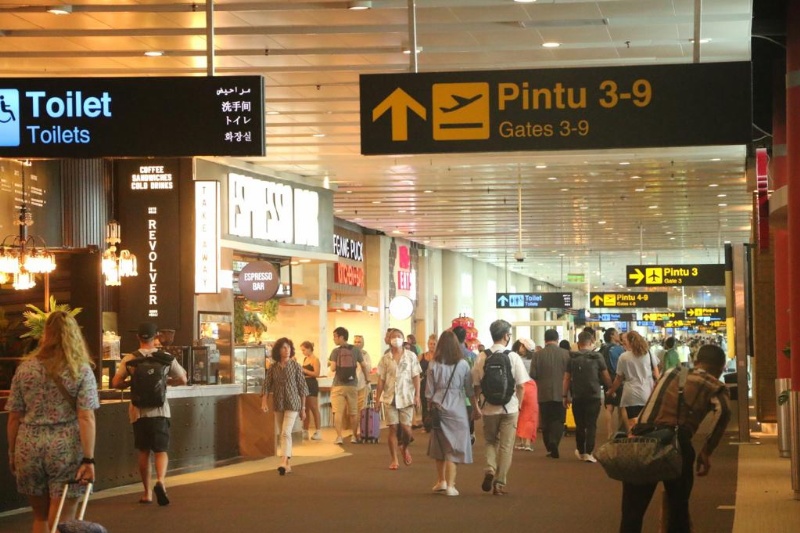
(793,199)
(84,200)
(780,250)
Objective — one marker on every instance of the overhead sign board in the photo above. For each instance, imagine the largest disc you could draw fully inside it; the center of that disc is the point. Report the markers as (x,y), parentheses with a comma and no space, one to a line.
(664,317)
(556,109)
(674,275)
(259,281)
(534,300)
(612,317)
(628,299)
(707,314)
(132,117)
(576,277)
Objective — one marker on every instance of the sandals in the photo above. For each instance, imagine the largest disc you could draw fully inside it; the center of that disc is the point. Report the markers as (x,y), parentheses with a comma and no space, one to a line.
(161,494)
(393,466)
(407,459)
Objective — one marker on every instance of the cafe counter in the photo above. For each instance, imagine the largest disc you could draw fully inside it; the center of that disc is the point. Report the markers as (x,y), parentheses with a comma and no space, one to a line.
(210,425)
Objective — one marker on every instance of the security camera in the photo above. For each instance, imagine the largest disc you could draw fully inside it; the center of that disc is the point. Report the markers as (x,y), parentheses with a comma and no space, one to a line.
(519,256)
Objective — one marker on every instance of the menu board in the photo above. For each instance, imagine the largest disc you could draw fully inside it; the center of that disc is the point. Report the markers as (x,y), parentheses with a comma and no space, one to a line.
(42,196)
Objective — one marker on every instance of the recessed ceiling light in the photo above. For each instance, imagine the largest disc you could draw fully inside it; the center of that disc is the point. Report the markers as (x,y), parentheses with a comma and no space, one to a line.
(376,201)
(401,210)
(583,207)
(273,112)
(348,192)
(564,190)
(407,50)
(723,205)
(702,41)
(551,45)
(552,178)
(652,207)
(624,163)
(359,5)
(396,232)
(154,53)
(713,185)
(669,233)
(427,191)
(672,238)
(601,222)
(636,177)
(59,10)
(721,195)
(318,135)
(541,166)
(640,189)
(524,1)
(338,210)
(716,159)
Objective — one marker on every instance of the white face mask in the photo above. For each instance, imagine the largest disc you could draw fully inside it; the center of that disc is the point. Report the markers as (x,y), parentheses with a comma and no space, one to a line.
(397,343)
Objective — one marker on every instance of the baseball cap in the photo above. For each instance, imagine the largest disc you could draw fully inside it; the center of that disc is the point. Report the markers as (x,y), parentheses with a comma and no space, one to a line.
(147,330)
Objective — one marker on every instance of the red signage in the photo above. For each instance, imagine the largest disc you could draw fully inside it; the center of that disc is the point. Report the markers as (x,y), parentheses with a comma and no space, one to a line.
(762,205)
(348,275)
(404,280)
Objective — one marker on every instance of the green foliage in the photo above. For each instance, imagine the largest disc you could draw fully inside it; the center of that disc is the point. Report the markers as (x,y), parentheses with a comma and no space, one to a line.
(783,397)
(254,315)
(35,318)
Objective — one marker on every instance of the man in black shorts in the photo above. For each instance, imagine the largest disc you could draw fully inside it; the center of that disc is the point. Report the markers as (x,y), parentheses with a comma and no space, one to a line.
(150,425)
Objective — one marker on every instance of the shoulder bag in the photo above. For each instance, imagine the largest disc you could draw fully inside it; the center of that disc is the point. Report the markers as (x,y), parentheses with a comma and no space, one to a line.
(434,418)
(649,458)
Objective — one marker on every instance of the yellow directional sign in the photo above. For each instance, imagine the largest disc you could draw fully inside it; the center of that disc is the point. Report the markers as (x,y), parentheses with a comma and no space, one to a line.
(460,111)
(400,103)
(707,313)
(675,275)
(661,317)
(653,299)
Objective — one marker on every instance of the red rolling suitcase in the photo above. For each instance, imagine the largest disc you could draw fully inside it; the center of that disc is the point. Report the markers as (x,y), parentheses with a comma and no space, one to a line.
(370,422)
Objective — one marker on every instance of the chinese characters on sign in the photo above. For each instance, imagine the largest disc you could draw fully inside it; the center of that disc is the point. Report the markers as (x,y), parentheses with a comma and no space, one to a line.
(237,107)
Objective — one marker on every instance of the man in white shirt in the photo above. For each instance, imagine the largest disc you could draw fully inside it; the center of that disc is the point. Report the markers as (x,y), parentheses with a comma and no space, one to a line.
(499,421)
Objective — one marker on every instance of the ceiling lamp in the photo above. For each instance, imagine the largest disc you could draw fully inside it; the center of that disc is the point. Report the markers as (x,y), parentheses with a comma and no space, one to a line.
(115,268)
(21,258)
(359,6)
(60,10)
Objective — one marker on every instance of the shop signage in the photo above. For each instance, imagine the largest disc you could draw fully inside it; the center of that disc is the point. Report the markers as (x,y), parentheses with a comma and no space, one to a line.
(259,281)
(533,300)
(675,275)
(348,247)
(132,117)
(149,217)
(612,317)
(206,231)
(406,278)
(272,211)
(628,299)
(664,317)
(348,275)
(556,109)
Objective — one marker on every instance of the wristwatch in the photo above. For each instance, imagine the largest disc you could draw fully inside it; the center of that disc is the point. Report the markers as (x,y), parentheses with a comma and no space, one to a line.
(87,461)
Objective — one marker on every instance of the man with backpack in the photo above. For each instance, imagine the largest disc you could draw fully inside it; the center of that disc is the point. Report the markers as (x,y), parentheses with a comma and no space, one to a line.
(585,369)
(344,360)
(499,375)
(148,371)
(611,351)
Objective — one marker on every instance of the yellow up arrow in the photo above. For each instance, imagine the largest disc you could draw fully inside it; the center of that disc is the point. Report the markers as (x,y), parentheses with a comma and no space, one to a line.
(399,102)
(597,300)
(637,276)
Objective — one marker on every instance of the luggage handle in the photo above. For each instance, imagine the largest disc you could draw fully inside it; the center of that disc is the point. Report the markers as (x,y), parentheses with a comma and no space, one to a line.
(82,510)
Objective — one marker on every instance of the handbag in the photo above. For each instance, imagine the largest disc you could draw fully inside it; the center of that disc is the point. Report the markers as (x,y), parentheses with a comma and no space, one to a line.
(433,420)
(648,458)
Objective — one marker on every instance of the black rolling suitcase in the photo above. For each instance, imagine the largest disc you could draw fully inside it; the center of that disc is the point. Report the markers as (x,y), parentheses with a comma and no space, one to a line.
(80,525)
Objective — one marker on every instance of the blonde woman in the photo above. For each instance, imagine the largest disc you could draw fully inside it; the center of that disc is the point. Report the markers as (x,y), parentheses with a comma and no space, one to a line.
(637,370)
(51,425)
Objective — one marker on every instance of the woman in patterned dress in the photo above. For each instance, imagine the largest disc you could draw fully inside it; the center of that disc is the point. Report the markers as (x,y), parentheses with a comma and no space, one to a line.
(286,385)
(51,426)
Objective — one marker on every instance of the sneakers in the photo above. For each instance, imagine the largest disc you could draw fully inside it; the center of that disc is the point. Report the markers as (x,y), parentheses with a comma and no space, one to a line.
(305,434)
(528,448)
(519,447)
(488,479)
(338,440)
(579,456)
(355,440)
(451,491)
(589,458)
(316,436)
(440,487)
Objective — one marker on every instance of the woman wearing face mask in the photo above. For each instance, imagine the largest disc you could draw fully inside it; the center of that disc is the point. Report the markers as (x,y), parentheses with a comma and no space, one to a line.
(398,388)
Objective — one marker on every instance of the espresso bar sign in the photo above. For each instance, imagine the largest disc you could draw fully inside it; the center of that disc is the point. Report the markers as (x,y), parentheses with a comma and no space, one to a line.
(259,281)
(272,211)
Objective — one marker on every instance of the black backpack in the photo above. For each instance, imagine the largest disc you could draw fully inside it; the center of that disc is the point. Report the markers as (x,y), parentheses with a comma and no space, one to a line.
(345,364)
(497,384)
(149,378)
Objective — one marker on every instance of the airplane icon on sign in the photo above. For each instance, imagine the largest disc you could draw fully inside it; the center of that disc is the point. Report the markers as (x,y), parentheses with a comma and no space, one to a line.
(461,101)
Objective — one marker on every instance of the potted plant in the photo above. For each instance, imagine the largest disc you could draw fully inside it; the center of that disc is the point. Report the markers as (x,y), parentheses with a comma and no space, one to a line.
(35,318)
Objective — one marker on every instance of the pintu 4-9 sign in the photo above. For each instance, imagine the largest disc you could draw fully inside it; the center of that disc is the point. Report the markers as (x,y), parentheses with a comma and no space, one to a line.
(556,109)
(534,300)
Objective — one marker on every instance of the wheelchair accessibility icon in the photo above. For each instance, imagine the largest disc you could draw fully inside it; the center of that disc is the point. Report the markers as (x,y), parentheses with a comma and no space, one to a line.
(9,117)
